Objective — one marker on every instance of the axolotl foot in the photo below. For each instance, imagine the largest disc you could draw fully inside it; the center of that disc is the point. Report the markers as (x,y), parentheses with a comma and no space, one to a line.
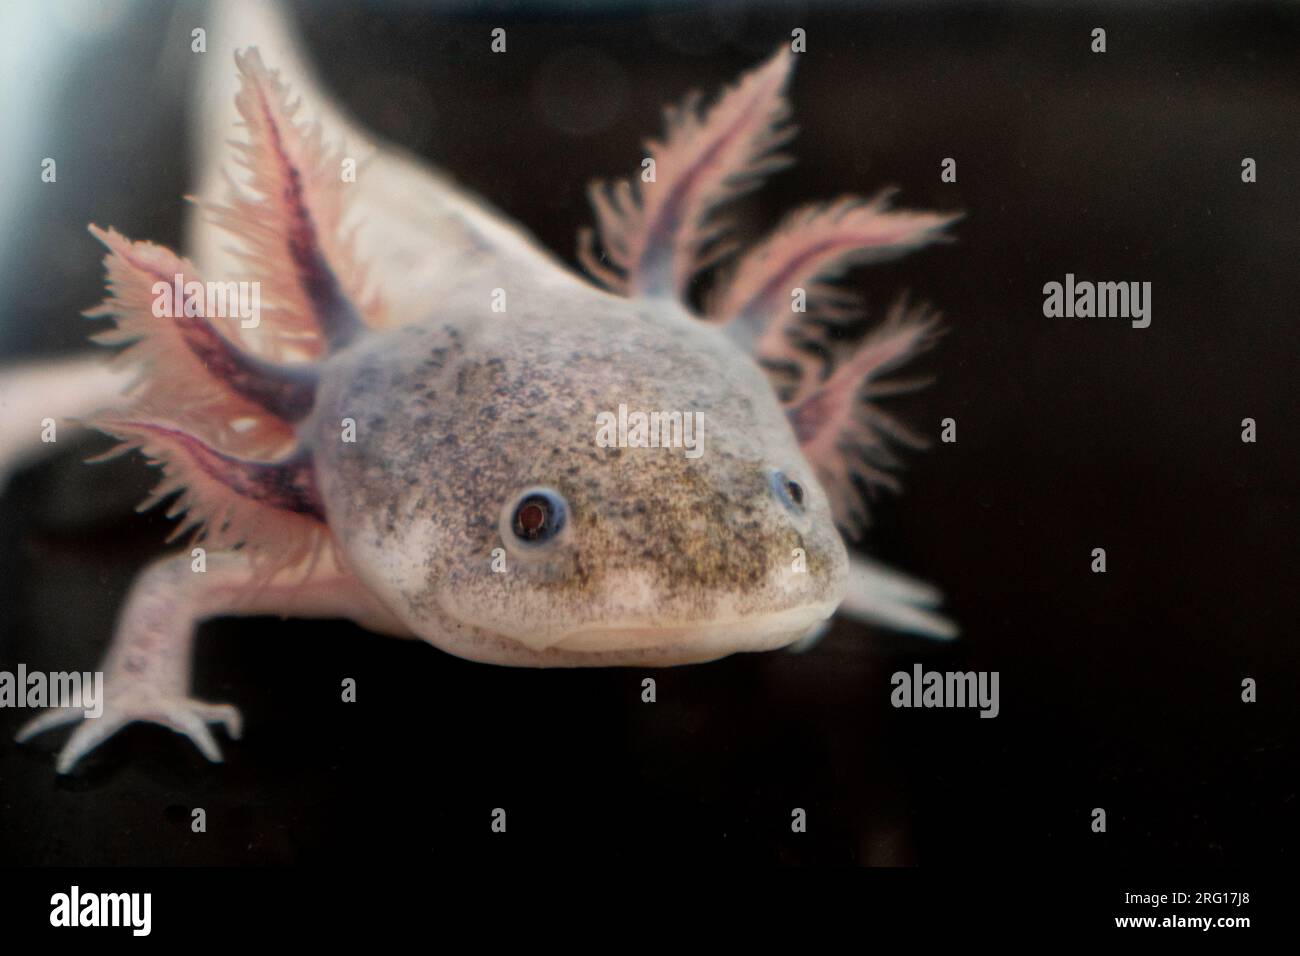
(131,704)
(147,670)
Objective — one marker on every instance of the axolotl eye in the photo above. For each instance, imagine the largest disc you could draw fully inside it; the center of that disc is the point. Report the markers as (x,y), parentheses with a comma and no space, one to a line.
(538,516)
(789,492)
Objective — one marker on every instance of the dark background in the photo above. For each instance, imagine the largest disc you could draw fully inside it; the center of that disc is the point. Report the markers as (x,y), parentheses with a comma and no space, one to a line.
(1119,690)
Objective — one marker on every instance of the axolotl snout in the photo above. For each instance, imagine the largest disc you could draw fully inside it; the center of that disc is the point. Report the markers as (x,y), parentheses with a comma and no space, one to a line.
(650,557)
(407,434)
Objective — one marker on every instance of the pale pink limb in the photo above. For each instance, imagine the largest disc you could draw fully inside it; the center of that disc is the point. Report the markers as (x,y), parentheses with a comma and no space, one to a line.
(147,669)
(64,391)
(883,596)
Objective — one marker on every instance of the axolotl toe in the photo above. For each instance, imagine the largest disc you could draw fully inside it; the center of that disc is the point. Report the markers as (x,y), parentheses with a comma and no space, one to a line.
(427,424)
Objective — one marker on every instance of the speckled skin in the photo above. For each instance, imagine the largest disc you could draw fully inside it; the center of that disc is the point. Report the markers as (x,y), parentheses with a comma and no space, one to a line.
(435,410)
(664,560)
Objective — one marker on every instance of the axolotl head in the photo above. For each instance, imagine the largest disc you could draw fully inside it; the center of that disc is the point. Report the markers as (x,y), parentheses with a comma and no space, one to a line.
(498,495)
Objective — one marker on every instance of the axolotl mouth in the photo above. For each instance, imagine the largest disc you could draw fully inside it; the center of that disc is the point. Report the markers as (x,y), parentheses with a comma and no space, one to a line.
(643,632)
(645,645)
(695,642)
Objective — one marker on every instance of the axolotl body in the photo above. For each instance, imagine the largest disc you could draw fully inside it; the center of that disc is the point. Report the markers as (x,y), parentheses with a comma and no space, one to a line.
(407,438)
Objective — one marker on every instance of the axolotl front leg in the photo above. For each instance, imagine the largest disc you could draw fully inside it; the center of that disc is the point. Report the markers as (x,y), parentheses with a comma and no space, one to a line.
(147,669)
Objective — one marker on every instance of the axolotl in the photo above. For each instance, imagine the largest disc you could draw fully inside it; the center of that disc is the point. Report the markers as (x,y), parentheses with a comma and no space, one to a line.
(406,435)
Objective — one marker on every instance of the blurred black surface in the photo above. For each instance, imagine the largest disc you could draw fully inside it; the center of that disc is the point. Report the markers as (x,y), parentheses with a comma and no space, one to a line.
(1118,690)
